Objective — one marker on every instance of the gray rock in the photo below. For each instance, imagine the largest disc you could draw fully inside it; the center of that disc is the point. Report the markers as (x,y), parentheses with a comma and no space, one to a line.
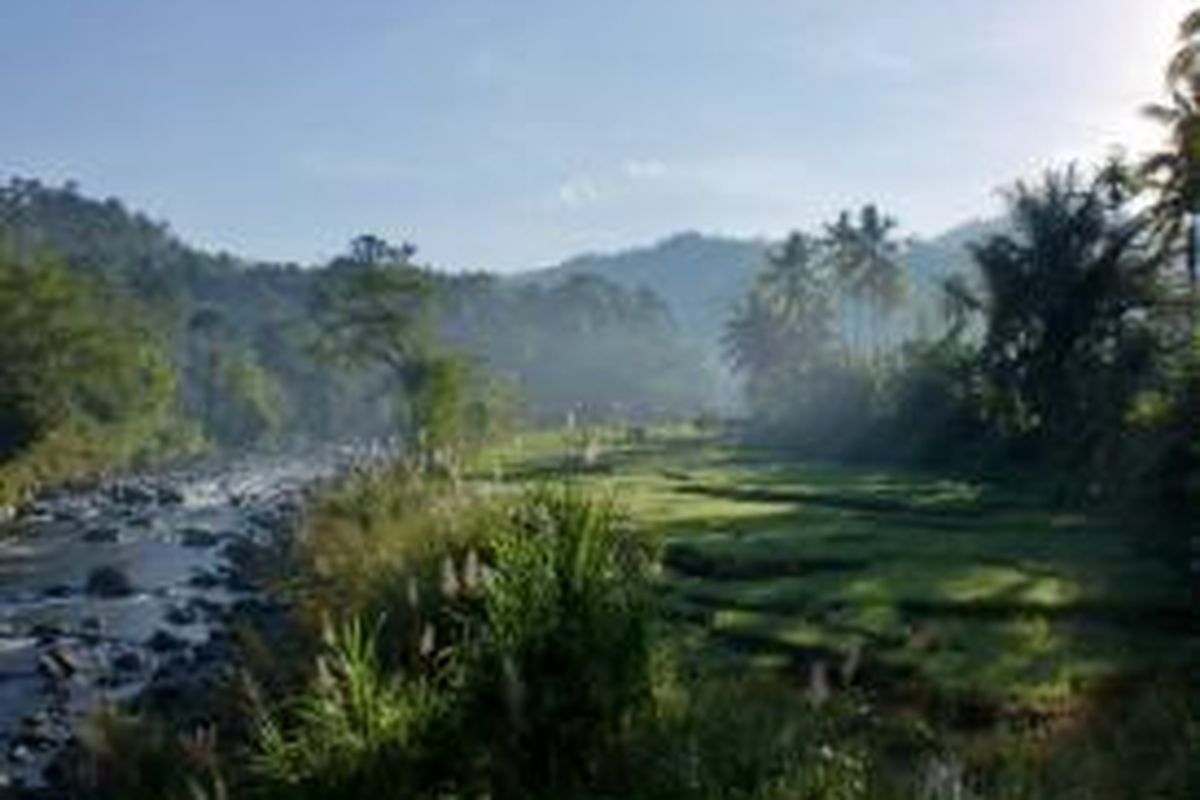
(198,538)
(109,581)
(37,732)
(128,661)
(132,494)
(46,632)
(182,615)
(170,495)
(164,641)
(59,663)
(107,535)
(205,579)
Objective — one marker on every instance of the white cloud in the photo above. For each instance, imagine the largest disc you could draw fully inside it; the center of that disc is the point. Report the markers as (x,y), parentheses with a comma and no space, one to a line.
(577,191)
(643,169)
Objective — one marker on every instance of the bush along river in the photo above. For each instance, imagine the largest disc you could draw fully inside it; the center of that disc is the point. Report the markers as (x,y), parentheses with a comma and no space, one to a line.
(126,589)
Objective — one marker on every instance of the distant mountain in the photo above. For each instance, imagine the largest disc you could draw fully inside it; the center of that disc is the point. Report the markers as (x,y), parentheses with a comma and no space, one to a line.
(701,276)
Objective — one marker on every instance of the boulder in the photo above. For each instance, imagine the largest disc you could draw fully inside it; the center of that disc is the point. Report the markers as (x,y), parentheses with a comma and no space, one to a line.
(169,495)
(59,664)
(198,538)
(128,661)
(164,641)
(109,581)
(106,535)
(182,615)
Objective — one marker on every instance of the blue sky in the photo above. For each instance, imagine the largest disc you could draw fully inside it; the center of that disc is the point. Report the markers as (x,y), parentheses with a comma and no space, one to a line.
(507,134)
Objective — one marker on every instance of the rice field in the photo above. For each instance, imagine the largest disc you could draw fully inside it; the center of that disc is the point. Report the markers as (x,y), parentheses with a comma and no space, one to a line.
(920,582)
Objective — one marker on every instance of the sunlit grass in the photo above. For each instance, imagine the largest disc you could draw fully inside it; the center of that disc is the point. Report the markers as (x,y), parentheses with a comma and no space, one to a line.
(974,590)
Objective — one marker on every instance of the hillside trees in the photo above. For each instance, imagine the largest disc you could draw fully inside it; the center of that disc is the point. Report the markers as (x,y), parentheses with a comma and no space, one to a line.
(781,336)
(81,384)
(1042,356)
(375,310)
(583,345)
(1068,296)
(866,266)
(810,337)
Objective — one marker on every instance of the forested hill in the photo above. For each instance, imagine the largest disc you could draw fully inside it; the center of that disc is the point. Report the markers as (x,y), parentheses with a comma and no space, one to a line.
(235,346)
(700,276)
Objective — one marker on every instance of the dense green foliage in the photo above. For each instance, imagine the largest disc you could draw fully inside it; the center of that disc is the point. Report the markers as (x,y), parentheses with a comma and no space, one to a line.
(517,654)
(746,624)
(82,384)
(368,345)
(1055,356)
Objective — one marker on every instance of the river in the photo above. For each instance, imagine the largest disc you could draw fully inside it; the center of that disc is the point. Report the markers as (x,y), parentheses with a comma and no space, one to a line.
(106,592)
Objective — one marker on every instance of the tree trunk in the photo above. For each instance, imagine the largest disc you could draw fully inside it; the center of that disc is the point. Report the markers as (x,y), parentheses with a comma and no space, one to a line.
(1191,276)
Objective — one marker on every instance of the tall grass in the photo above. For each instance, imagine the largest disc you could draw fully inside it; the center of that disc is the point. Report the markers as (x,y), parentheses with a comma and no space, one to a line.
(563,662)
(508,646)
(355,732)
(119,756)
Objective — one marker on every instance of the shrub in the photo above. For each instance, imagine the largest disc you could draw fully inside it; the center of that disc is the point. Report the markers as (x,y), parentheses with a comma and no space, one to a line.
(564,659)
(356,731)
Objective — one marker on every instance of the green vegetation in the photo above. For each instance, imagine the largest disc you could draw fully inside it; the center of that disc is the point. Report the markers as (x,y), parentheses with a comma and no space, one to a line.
(82,386)
(242,353)
(959,569)
(978,593)
(508,645)
(818,631)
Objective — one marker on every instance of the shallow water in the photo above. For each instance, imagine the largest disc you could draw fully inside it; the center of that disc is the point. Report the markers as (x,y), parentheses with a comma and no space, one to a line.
(63,649)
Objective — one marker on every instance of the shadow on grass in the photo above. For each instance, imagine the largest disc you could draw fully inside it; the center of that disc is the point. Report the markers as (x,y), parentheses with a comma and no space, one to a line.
(691,561)
(845,501)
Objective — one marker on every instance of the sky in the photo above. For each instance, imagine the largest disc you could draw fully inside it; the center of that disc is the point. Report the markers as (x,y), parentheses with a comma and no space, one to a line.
(509,134)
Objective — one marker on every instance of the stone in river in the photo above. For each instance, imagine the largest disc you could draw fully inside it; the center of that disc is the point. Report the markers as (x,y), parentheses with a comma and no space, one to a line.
(170,495)
(46,632)
(58,663)
(198,537)
(109,581)
(182,615)
(128,661)
(165,642)
(102,536)
(205,579)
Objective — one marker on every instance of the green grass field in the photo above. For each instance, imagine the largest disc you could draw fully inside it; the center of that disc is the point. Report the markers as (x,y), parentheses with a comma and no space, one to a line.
(954,588)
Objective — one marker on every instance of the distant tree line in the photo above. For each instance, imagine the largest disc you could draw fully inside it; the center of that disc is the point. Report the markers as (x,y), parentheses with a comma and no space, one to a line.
(1069,351)
(234,354)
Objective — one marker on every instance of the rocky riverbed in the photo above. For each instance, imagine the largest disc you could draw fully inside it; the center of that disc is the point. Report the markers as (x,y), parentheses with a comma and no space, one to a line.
(108,594)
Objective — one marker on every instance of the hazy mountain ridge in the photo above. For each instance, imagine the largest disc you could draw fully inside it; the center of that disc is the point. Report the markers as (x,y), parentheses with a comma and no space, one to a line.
(700,276)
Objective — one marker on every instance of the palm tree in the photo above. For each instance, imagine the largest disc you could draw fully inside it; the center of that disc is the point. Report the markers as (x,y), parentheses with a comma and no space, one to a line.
(881,274)
(1173,173)
(866,266)
(1184,67)
(1067,291)
(844,249)
(959,304)
(780,332)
